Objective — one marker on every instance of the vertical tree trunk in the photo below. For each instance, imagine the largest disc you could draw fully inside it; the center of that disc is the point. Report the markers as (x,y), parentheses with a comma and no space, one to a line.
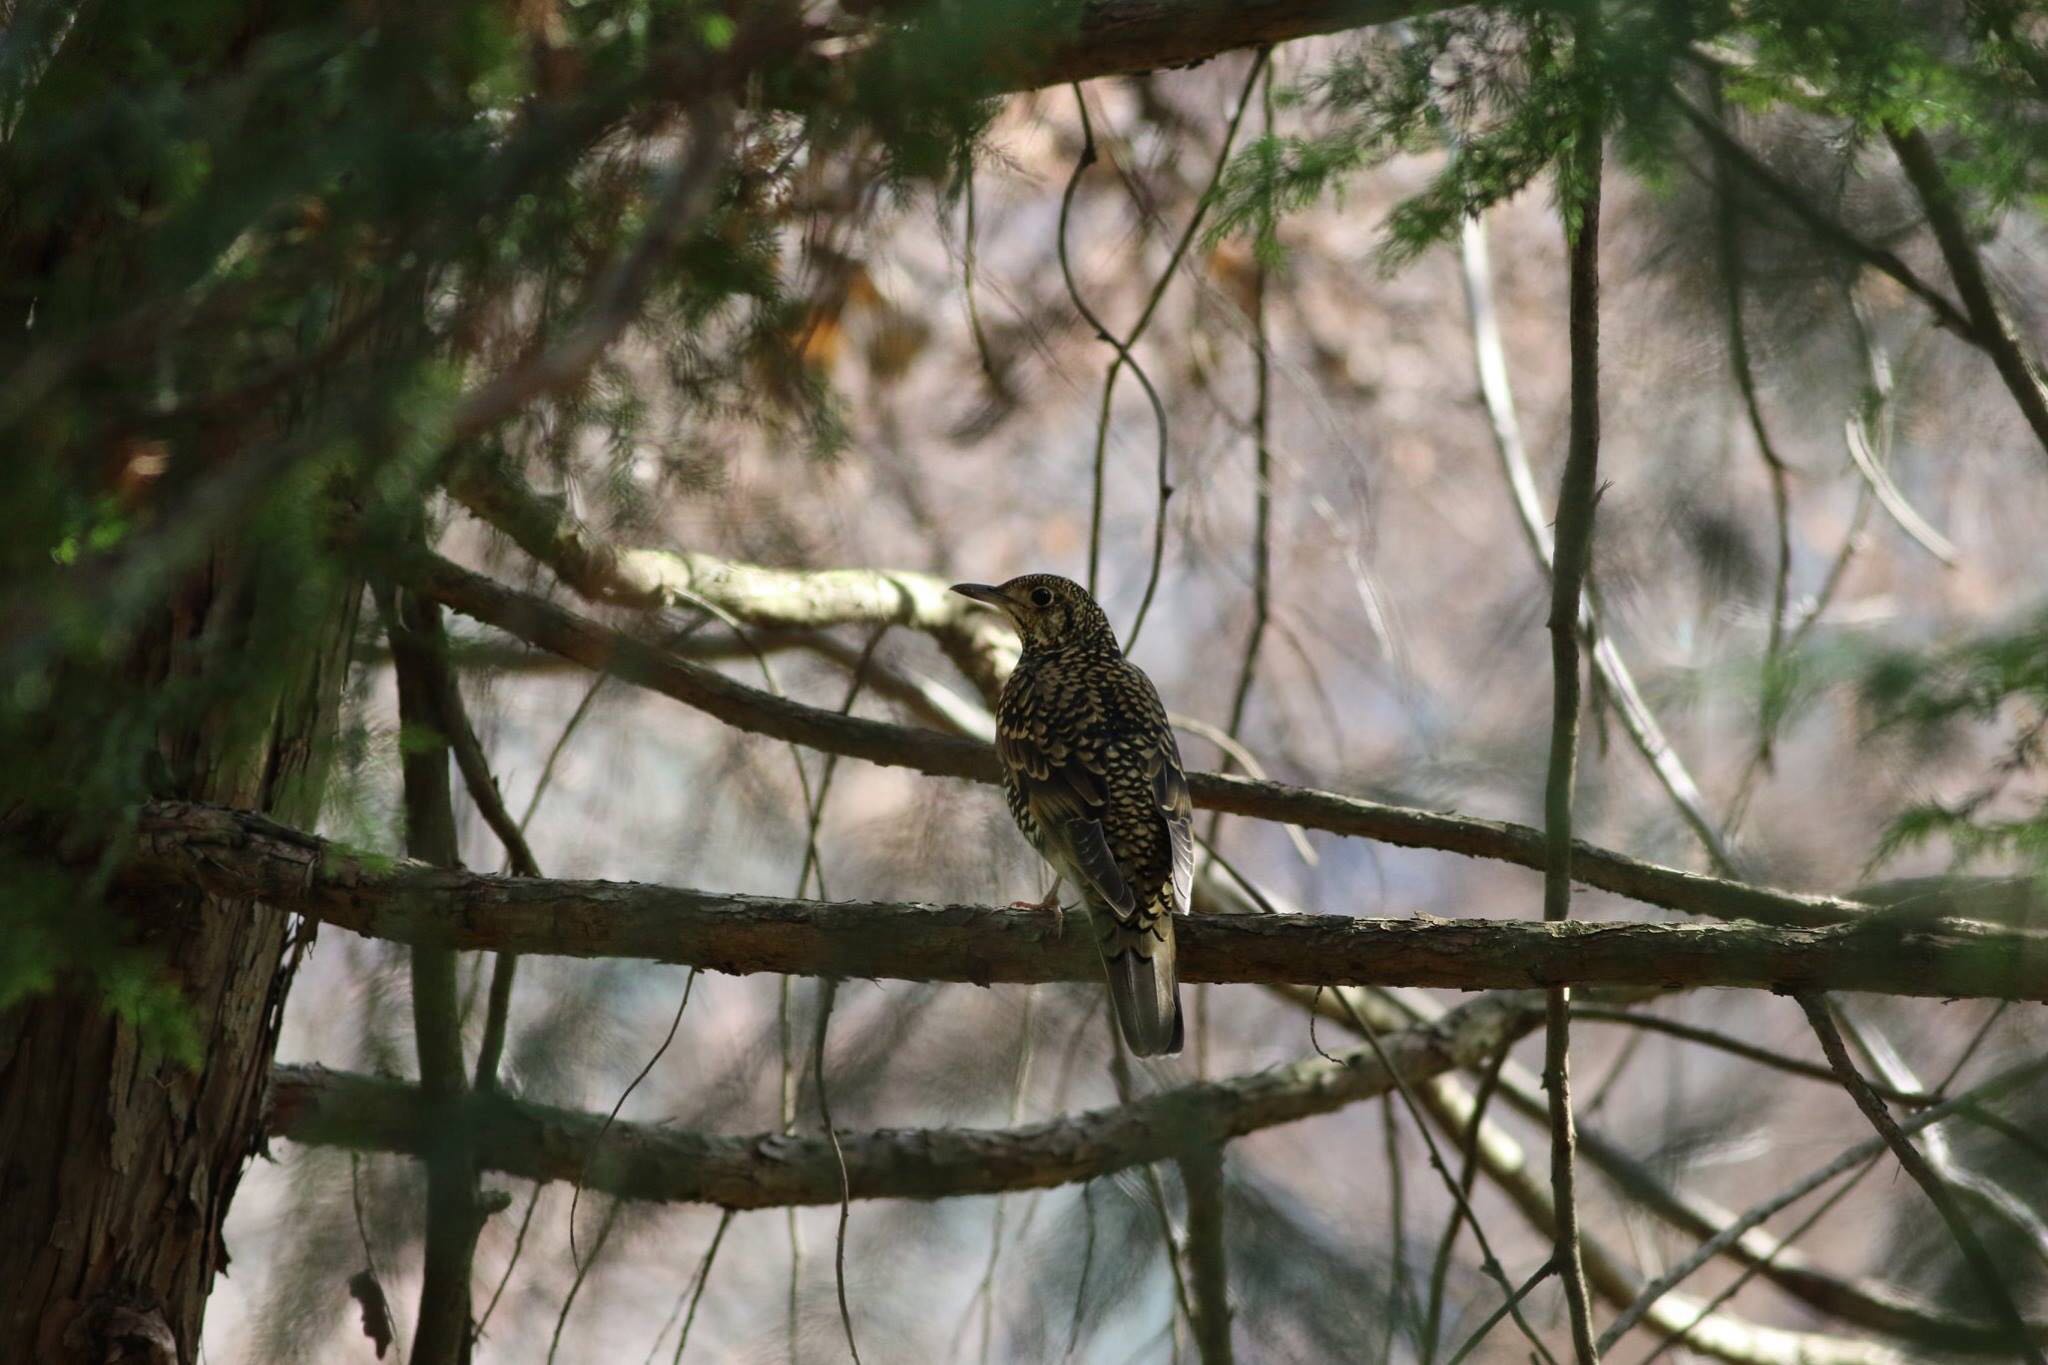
(117,1165)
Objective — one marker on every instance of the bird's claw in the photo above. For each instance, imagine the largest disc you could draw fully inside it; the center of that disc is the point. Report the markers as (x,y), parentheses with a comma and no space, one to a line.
(1052,904)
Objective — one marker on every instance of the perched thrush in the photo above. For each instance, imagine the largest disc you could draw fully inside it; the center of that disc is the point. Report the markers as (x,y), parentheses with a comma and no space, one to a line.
(1095,782)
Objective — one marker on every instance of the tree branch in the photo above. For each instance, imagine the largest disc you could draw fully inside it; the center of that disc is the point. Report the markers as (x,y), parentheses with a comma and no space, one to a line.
(1570,562)
(1125,37)
(1826,229)
(1658,1290)
(1982,1266)
(1201,1172)
(1993,329)
(649,1161)
(244,855)
(545,625)
(976,640)
(442,1333)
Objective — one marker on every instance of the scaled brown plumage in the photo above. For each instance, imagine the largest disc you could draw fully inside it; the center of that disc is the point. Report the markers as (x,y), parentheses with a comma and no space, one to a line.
(1095,782)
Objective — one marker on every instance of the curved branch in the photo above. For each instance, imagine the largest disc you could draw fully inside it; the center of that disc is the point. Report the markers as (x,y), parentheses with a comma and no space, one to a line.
(547,626)
(647,1161)
(976,640)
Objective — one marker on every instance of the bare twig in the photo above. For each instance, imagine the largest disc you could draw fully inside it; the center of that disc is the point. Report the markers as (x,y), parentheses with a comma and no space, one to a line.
(828,991)
(1124,345)
(549,627)
(1897,1075)
(1724,145)
(442,1334)
(1874,1305)
(1845,1162)
(1201,1172)
(675,1021)
(1734,296)
(1992,328)
(1637,719)
(1974,1251)
(1468,1171)
(703,1280)
(1573,557)
(1492,1320)
(1891,499)
(1488,1261)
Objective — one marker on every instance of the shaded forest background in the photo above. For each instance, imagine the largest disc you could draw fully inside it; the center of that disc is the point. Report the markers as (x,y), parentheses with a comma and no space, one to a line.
(867,347)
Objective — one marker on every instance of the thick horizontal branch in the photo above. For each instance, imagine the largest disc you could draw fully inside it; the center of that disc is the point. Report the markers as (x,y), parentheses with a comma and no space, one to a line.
(1124,37)
(246,856)
(547,626)
(641,1161)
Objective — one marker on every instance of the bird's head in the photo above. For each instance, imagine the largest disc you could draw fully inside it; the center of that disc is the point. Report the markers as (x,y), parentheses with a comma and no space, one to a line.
(1050,612)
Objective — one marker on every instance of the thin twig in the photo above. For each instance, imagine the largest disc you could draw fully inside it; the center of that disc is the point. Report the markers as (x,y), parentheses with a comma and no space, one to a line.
(828,992)
(1736,1228)
(1764,1264)
(1120,1073)
(1020,1079)
(1262,466)
(576,1196)
(1493,1319)
(1892,500)
(604,1235)
(1897,1074)
(1572,558)
(512,1261)
(1777,1061)
(1488,1261)
(1724,145)
(1916,1165)
(1468,1171)
(1087,1264)
(355,1192)
(1993,329)
(1610,669)
(1201,1171)
(1400,1292)
(1734,296)
(703,1280)
(1123,346)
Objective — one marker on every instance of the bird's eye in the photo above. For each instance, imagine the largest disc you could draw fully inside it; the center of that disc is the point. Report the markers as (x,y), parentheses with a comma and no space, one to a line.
(1041,597)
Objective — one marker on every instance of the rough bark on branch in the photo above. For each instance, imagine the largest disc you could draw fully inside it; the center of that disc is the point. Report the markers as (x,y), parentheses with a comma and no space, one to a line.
(546,626)
(976,640)
(646,1161)
(230,853)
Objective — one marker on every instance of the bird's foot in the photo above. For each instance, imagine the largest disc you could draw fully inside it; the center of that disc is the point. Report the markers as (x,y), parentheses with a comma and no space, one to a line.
(1050,903)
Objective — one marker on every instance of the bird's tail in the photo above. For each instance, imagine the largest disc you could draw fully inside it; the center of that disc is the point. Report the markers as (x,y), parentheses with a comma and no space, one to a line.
(1144,988)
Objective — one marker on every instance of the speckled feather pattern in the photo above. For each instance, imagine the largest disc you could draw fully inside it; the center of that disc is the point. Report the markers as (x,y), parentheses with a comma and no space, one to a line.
(1083,738)
(1082,733)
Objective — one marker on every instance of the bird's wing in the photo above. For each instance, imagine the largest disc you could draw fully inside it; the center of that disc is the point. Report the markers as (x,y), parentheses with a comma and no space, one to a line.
(1088,852)
(1170,789)
(1061,780)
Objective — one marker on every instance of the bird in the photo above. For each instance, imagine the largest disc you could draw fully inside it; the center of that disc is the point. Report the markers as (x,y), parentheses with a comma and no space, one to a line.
(1095,782)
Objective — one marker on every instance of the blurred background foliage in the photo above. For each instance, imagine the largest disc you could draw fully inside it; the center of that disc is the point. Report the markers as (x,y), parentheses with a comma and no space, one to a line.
(261,264)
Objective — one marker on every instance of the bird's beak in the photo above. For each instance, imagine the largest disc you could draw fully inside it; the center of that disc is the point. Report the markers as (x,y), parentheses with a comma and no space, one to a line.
(982,592)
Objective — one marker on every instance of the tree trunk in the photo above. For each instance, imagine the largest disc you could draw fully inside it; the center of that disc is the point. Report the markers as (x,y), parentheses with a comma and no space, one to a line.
(117,1165)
